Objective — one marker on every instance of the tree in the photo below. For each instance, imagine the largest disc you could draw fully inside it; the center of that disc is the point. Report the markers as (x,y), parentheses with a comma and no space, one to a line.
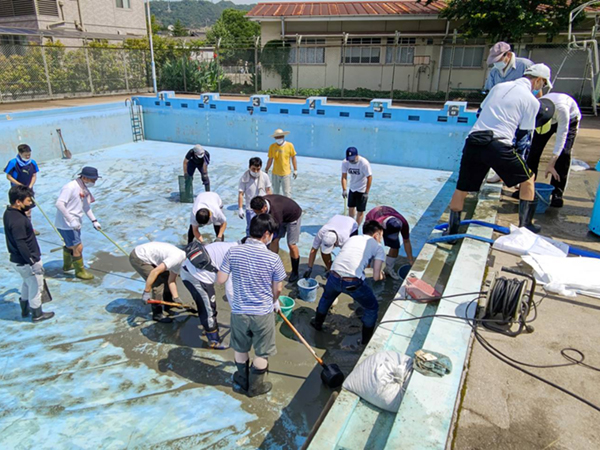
(508,20)
(179,29)
(237,36)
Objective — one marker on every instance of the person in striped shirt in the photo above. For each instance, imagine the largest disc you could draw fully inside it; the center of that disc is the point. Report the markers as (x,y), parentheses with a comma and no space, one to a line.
(257,276)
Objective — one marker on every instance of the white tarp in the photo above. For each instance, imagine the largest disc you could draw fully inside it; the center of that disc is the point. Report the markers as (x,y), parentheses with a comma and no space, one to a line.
(521,241)
(566,276)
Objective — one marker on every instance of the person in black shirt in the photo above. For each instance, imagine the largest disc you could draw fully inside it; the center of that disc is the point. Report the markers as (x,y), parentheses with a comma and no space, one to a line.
(286,213)
(197,158)
(25,252)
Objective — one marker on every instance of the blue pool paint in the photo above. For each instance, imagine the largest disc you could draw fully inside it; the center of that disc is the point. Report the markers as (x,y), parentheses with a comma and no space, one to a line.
(410,137)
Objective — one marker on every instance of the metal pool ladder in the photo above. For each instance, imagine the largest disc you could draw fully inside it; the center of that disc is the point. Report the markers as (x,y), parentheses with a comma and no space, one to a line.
(135,115)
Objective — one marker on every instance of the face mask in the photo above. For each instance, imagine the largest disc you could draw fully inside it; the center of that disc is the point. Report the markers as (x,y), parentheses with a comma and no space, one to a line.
(270,239)
(280,141)
(89,184)
(500,65)
(25,159)
(353,161)
(26,208)
(254,174)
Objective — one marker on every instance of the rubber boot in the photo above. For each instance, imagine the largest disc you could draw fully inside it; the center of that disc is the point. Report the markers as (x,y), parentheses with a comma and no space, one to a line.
(80,271)
(24,308)
(257,384)
(317,321)
(207,187)
(557,201)
(241,377)
(38,315)
(526,212)
(214,340)
(295,265)
(158,316)
(367,333)
(453,224)
(67,259)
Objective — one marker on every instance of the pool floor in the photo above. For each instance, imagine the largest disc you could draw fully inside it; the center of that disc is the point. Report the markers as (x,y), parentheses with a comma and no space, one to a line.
(102,375)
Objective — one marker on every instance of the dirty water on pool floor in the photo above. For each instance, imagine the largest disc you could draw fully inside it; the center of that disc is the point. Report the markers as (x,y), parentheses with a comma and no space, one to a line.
(101,374)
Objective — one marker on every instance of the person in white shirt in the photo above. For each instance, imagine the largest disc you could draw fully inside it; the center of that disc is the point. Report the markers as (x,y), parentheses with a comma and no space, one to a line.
(254,183)
(207,208)
(73,201)
(199,274)
(159,264)
(347,276)
(565,124)
(508,106)
(361,177)
(335,233)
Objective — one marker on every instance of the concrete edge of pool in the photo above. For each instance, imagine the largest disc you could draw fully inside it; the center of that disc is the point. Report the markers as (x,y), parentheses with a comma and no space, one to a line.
(428,407)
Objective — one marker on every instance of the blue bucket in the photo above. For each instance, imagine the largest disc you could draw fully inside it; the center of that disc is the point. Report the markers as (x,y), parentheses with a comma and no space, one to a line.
(307,289)
(404,271)
(543,192)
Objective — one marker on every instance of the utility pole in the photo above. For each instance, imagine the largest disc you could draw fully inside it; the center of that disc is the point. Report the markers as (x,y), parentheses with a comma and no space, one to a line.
(151,48)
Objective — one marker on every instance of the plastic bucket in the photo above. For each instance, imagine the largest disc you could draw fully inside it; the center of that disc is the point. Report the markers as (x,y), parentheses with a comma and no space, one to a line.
(307,289)
(287,304)
(543,192)
(404,271)
(186,189)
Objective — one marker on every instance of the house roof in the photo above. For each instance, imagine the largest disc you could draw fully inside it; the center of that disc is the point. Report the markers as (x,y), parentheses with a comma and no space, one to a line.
(345,9)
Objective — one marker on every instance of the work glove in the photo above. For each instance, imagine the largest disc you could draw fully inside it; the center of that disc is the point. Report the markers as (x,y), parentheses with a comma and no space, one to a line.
(267,171)
(366,196)
(96,225)
(176,300)
(345,193)
(241,213)
(295,175)
(37,268)
(146,296)
(307,273)
(276,306)
(219,239)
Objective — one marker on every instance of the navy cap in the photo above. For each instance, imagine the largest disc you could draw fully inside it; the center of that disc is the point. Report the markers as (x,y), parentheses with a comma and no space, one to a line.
(351,152)
(393,224)
(90,172)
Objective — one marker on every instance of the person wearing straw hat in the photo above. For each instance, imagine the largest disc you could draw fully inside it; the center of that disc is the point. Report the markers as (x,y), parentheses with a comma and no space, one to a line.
(24,252)
(506,65)
(73,201)
(281,152)
(335,233)
(197,158)
(490,143)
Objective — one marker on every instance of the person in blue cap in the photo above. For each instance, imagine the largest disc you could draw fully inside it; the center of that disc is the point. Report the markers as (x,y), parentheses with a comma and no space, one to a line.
(361,177)
(22,171)
(74,200)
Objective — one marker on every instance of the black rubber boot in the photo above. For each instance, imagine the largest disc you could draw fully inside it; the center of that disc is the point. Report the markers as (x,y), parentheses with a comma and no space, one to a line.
(526,212)
(24,308)
(557,202)
(241,377)
(367,333)
(317,321)
(453,224)
(207,187)
(295,266)
(258,385)
(38,315)
(158,316)
(214,340)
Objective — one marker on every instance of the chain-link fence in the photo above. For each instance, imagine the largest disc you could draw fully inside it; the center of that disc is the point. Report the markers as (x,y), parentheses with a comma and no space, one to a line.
(55,71)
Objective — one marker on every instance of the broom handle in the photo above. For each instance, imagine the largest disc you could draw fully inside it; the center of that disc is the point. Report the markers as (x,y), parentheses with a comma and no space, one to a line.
(160,302)
(116,245)
(49,221)
(285,319)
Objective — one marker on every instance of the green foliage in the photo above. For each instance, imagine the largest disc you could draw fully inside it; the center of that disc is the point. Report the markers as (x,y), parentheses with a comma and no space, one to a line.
(192,13)
(274,59)
(182,75)
(179,30)
(509,20)
(237,35)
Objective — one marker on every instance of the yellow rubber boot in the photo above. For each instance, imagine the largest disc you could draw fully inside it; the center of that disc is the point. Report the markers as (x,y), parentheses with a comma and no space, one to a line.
(67,260)
(80,271)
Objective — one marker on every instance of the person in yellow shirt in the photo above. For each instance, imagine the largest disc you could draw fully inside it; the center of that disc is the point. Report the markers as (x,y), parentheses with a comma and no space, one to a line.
(280,154)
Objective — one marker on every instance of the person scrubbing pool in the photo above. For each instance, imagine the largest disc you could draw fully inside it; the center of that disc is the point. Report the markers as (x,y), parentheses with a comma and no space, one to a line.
(361,177)
(335,233)
(207,209)
(197,159)
(395,230)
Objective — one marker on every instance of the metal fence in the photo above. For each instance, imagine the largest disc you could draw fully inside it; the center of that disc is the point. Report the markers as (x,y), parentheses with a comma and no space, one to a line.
(55,71)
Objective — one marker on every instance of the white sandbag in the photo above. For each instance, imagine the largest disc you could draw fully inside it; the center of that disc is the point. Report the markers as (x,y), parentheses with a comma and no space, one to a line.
(521,241)
(381,379)
(566,276)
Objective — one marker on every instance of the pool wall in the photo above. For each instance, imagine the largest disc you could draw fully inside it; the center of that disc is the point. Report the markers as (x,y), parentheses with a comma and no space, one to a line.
(83,128)
(411,137)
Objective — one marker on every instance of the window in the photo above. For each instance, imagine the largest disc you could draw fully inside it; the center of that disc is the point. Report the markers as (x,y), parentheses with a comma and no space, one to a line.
(311,51)
(47,8)
(15,8)
(12,45)
(464,57)
(362,51)
(405,53)
(124,4)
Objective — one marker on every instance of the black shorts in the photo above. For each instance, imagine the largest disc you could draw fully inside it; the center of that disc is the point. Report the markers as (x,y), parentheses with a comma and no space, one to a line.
(358,200)
(391,240)
(477,160)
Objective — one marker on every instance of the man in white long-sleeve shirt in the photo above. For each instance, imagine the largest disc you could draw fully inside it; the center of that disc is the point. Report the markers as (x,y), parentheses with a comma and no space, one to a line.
(74,200)
(565,123)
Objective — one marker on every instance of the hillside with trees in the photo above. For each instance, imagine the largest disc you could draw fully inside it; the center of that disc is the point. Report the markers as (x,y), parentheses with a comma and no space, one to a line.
(191,13)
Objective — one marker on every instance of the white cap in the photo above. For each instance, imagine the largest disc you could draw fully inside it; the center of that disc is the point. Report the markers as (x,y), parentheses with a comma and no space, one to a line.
(328,242)
(198,150)
(541,71)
